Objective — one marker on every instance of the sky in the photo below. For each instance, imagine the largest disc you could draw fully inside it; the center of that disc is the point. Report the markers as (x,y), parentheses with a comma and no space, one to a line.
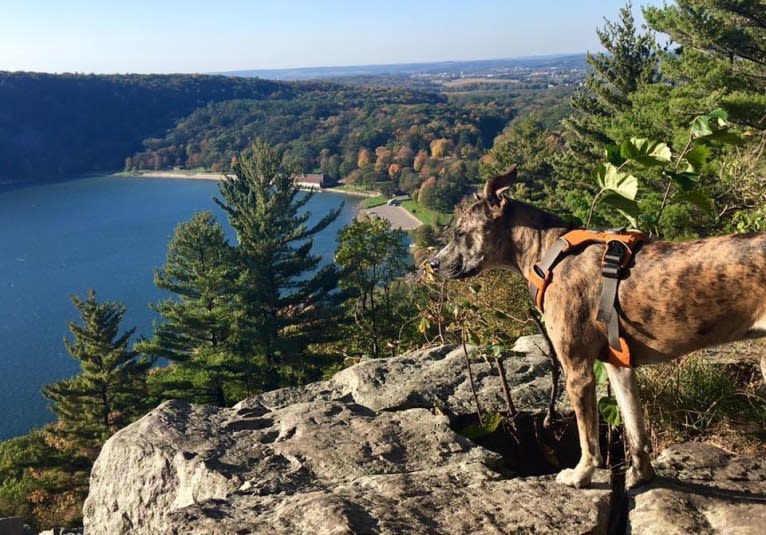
(187,36)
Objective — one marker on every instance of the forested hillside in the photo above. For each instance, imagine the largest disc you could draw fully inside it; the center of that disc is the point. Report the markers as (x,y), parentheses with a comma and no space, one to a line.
(54,126)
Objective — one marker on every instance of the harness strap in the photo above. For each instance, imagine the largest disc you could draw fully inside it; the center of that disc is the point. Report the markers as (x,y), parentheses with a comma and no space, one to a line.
(617,255)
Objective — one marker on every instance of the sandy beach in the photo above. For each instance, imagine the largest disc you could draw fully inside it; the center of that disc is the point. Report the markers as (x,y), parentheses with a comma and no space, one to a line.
(176,174)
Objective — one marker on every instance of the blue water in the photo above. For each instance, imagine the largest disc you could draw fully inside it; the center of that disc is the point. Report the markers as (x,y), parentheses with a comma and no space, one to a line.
(105,233)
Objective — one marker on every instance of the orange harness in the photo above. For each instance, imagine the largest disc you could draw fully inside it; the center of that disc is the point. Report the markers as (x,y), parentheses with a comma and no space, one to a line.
(617,256)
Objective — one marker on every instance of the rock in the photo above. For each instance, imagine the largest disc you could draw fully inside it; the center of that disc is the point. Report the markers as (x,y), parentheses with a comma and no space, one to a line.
(369,451)
(701,489)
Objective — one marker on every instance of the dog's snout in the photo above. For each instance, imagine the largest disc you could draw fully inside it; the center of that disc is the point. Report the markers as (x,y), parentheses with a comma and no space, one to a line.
(434,263)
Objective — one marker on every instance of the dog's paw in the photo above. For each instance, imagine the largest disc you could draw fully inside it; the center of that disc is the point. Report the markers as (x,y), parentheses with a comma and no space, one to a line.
(635,477)
(571,477)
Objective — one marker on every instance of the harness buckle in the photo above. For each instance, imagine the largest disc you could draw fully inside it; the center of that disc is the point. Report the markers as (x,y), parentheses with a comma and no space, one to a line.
(616,256)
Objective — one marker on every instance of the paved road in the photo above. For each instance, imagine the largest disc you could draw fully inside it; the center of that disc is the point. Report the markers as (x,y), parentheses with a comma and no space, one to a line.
(396,215)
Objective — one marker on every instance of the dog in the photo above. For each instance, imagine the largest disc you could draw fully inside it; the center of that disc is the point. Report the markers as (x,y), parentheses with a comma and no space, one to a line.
(673,299)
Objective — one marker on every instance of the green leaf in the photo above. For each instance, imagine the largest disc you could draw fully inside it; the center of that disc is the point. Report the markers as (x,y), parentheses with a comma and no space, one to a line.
(627,207)
(700,127)
(491,422)
(611,179)
(726,136)
(697,157)
(613,156)
(599,371)
(685,181)
(718,113)
(646,152)
(609,410)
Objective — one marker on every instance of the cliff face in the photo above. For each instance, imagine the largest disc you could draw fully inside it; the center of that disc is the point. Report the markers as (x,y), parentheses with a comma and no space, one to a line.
(370,451)
(373,450)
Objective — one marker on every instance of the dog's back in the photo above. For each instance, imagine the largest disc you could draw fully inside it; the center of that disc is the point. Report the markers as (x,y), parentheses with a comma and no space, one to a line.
(678,297)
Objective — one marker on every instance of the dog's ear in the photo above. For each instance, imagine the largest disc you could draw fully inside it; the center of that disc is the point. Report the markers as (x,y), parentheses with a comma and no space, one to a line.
(495,186)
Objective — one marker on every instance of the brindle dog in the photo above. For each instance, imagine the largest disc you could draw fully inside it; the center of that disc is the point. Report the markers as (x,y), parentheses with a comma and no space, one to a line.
(675,298)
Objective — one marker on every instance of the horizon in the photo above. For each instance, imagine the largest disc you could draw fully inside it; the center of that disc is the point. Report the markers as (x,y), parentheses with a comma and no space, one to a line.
(173,37)
(318,67)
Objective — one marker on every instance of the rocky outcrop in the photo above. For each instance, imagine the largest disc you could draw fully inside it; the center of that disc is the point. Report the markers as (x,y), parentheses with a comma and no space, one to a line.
(701,489)
(373,450)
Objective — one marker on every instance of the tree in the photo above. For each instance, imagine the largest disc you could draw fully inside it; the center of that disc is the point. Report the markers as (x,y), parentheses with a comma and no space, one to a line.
(719,53)
(110,390)
(283,297)
(372,256)
(630,63)
(527,144)
(196,327)
(717,59)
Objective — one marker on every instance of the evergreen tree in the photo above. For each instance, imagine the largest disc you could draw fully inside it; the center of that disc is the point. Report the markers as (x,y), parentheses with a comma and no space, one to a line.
(717,57)
(629,63)
(196,329)
(282,293)
(109,392)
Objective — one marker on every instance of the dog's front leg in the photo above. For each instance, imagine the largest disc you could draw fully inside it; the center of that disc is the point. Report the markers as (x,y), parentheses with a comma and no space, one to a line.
(623,381)
(581,388)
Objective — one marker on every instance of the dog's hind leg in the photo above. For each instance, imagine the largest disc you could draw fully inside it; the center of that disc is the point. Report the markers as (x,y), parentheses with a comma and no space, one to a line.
(581,388)
(625,387)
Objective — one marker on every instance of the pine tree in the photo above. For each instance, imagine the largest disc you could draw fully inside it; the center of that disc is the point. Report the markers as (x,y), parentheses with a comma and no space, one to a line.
(109,392)
(195,330)
(717,59)
(599,111)
(629,63)
(717,56)
(282,292)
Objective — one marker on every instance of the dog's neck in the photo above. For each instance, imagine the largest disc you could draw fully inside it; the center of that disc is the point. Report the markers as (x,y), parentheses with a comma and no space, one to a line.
(533,231)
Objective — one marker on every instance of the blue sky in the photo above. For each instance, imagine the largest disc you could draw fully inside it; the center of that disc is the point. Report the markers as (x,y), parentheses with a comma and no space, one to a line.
(164,36)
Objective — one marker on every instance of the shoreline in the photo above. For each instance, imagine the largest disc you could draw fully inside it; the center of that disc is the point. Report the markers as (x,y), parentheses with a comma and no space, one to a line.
(177,175)
(396,215)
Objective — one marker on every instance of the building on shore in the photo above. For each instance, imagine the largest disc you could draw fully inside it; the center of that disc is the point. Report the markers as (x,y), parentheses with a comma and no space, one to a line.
(314,181)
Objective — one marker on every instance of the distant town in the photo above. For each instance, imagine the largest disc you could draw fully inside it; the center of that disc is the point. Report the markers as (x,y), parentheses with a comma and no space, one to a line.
(537,72)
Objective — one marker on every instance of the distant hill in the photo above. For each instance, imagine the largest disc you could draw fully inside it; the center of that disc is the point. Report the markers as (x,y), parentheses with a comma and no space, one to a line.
(54,126)
(373,131)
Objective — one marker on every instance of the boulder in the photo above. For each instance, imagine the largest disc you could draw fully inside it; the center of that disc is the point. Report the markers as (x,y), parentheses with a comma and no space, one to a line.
(372,450)
(701,489)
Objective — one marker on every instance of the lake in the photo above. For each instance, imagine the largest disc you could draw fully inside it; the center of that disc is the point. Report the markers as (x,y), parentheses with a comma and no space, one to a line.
(105,233)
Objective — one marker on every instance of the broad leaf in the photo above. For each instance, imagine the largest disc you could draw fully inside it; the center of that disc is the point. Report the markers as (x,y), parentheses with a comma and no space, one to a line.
(719,114)
(609,410)
(627,207)
(685,181)
(613,155)
(726,136)
(697,157)
(700,127)
(646,152)
(611,179)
